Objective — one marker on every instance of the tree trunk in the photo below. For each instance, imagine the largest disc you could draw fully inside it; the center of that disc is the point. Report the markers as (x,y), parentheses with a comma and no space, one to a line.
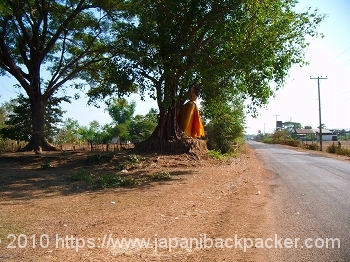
(168,138)
(38,141)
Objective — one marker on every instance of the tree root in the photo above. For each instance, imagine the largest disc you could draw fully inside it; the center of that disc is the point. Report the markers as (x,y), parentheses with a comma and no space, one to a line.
(192,146)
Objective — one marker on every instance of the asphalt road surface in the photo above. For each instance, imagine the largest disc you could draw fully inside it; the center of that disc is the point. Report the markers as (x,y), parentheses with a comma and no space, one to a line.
(309,207)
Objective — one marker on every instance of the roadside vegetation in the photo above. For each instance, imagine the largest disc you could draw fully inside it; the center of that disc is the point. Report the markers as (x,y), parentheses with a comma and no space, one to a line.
(283,137)
(338,149)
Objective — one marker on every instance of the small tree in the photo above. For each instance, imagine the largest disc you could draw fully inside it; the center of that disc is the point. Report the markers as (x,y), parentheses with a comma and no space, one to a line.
(142,126)
(106,134)
(122,131)
(2,116)
(121,111)
(91,133)
(279,136)
(19,119)
(222,132)
(343,135)
(226,123)
(68,133)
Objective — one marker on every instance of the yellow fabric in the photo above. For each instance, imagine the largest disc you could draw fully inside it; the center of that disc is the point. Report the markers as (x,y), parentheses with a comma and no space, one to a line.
(189,120)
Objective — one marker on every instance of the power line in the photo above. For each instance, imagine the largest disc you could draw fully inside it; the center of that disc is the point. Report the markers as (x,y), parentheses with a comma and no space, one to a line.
(339,55)
(340,66)
(344,101)
(345,64)
(343,93)
(337,104)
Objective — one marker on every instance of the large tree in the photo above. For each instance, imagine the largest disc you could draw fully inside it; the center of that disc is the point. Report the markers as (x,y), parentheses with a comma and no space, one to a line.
(235,47)
(291,128)
(45,44)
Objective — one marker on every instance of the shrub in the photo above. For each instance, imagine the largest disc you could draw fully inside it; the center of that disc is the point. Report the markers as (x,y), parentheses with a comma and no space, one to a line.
(268,140)
(279,135)
(338,150)
(313,146)
(291,142)
(332,149)
(216,154)
(222,131)
(344,151)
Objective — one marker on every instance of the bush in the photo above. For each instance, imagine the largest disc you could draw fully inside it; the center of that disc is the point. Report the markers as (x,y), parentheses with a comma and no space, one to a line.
(280,138)
(268,140)
(215,154)
(338,150)
(222,135)
(279,135)
(312,146)
(344,152)
(291,142)
(332,149)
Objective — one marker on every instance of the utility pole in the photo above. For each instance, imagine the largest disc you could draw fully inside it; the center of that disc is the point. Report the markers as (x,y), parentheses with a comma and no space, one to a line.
(276,120)
(319,106)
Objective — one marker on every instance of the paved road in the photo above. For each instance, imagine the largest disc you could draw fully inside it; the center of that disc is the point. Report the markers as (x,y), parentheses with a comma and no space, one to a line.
(310,199)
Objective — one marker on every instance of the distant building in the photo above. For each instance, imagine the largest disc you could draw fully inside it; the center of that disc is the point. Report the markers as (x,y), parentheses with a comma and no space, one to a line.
(327,135)
(313,135)
(306,134)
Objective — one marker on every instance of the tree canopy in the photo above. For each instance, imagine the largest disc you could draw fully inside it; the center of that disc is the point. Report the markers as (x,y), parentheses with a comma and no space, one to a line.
(235,47)
(121,111)
(232,48)
(291,128)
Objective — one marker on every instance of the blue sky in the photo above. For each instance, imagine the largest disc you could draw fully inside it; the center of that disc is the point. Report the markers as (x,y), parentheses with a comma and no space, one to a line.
(329,57)
(297,101)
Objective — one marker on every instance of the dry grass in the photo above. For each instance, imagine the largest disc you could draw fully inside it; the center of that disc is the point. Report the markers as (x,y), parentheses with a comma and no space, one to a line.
(345,144)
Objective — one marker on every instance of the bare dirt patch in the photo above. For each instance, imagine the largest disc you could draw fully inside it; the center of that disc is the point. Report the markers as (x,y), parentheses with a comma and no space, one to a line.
(48,216)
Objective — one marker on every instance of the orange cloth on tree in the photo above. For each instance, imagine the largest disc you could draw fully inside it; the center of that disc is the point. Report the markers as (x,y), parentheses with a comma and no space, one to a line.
(189,120)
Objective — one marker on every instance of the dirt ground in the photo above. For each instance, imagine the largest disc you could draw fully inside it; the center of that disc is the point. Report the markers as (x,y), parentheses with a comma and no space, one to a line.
(51,212)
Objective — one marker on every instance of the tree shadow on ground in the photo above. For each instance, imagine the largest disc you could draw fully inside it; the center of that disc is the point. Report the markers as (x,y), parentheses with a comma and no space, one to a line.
(26,176)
